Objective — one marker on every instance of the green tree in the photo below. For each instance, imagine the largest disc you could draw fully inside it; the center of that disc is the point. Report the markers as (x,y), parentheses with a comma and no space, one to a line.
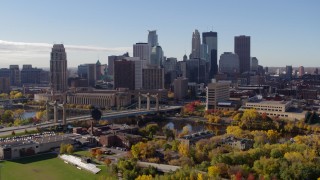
(70,149)
(214,172)
(248,118)
(63,148)
(151,129)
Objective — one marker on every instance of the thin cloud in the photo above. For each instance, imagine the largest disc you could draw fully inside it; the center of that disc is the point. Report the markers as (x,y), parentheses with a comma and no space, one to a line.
(25,46)
(38,53)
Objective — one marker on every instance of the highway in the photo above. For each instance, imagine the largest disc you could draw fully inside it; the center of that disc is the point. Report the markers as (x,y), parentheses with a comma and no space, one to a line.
(105,116)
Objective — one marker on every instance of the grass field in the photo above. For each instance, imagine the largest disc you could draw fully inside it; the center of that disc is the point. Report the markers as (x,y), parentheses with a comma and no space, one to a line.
(46,167)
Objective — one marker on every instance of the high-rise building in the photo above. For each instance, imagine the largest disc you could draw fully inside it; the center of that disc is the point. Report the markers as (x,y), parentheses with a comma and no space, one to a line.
(88,72)
(195,51)
(217,92)
(143,51)
(242,49)
(196,70)
(316,71)
(180,86)
(254,64)
(153,78)
(124,74)
(156,56)
(289,72)
(30,75)
(15,79)
(4,84)
(153,38)
(58,68)
(138,65)
(301,71)
(111,60)
(211,39)
(170,64)
(229,63)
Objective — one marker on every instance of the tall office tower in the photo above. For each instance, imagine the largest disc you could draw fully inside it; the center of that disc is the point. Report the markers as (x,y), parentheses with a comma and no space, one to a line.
(229,63)
(211,39)
(4,84)
(195,52)
(242,48)
(15,79)
(180,86)
(170,64)
(30,75)
(254,64)
(196,70)
(289,72)
(217,92)
(88,72)
(316,71)
(153,38)
(99,70)
(138,65)
(204,53)
(153,78)
(124,74)
(143,51)
(111,60)
(58,68)
(156,56)
(301,71)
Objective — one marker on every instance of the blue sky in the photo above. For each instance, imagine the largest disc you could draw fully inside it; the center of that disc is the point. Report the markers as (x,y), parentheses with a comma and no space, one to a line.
(282,32)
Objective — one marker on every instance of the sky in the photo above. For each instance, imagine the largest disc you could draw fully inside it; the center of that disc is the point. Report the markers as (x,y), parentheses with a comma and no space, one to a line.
(282,32)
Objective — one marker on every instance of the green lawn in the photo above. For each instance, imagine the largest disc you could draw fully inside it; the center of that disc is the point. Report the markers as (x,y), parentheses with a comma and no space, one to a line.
(47,167)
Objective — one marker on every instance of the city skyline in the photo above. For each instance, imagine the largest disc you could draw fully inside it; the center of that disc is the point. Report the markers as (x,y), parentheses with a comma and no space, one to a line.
(282,33)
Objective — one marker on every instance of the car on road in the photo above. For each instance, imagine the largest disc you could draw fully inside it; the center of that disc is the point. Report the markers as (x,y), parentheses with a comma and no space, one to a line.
(1,127)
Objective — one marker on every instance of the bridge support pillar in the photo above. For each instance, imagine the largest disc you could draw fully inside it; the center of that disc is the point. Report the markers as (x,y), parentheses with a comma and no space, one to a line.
(157,102)
(139,101)
(64,116)
(47,111)
(148,101)
(55,112)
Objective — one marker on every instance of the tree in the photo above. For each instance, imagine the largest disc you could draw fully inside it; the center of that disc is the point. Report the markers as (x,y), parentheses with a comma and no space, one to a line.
(18,95)
(39,115)
(183,149)
(7,116)
(63,148)
(168,133)
(144,177)
(200,176)
(234,130)
(213,171)
(248,117)
(17,122)
(18,113)
(107,161)
(273,136)
(70,149)
(151,129)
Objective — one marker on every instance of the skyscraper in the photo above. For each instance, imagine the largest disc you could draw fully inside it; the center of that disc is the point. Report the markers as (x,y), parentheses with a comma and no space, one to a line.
(211,39)
(124,74)
(242,48)
(289,72)
(156,56)
(195,44)
(254,64)
(301,71)
(229,63)
(58,68)
(153,38)
(143,51)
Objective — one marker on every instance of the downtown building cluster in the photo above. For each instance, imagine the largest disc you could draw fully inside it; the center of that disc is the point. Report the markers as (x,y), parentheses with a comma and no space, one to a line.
(200,75)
